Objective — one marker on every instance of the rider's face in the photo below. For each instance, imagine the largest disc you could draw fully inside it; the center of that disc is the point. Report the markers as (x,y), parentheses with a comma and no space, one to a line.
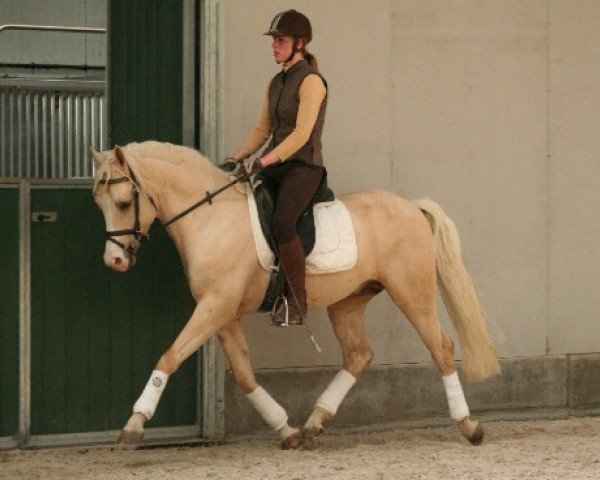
(282,48)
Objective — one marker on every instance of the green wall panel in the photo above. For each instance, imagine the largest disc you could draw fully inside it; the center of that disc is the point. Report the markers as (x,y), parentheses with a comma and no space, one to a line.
(9,311)
(146,70)
(97,334)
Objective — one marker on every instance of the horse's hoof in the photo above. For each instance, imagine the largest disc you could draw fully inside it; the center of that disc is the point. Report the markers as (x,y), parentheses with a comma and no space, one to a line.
(309,434)
(476,437)
(472,430)
(130,437)
(292,442)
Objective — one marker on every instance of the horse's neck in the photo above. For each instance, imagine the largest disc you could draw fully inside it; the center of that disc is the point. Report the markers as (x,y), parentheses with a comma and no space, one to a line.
(178,187)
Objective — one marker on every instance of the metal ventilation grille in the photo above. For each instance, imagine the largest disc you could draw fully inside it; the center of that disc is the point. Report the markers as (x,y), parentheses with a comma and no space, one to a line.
(47,127)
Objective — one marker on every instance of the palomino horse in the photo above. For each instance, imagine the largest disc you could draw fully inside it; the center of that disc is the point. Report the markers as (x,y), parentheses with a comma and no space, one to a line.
(403,247)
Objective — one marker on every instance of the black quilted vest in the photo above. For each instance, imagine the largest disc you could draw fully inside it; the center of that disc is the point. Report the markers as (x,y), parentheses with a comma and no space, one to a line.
(284,99)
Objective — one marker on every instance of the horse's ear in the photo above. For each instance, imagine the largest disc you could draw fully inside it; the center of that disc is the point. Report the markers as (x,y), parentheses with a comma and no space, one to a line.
(120,155)
(97,156)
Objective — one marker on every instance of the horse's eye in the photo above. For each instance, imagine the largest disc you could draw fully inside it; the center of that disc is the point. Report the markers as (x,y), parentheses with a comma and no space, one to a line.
(123,205)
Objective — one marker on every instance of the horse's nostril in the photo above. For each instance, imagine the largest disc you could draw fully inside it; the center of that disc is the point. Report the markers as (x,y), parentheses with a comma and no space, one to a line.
(118,261)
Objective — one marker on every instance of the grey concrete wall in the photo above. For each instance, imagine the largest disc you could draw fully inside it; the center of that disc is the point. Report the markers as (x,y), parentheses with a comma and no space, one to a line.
(489,108)
(542,386)
(18,47)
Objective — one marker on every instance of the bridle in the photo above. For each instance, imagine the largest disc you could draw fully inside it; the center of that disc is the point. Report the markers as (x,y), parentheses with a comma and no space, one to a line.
(141,237)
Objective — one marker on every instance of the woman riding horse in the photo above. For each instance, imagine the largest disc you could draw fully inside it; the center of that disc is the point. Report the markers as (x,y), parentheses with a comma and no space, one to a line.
(293,116)
(403,248)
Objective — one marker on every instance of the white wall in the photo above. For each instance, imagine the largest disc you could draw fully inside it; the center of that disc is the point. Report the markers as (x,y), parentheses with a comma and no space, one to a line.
(470,115)
(574,177)
(488,107)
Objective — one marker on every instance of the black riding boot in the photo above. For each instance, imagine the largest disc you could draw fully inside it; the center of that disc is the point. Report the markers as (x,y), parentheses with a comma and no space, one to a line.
(292,260)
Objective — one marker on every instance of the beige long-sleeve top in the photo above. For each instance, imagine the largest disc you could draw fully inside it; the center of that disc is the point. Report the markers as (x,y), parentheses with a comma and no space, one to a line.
(312,92)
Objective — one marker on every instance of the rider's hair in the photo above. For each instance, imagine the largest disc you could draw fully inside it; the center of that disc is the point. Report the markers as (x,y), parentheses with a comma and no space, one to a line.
(311,59)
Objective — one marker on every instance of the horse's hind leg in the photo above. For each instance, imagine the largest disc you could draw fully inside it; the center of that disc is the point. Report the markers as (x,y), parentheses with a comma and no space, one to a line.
(234,344)
(419,307)
(347,319)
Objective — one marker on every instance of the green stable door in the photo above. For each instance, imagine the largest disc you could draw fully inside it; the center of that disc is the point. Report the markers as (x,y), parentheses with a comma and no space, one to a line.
(97,334)
(9,311)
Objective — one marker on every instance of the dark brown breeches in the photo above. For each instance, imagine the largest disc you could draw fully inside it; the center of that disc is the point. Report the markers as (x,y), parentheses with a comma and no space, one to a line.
(296,182)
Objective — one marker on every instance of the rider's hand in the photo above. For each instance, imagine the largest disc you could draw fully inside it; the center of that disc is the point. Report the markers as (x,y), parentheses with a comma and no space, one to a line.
(240,154)
(269,159)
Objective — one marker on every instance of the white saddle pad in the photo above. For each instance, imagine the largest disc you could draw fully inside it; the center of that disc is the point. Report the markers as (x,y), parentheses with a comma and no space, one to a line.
(335,241)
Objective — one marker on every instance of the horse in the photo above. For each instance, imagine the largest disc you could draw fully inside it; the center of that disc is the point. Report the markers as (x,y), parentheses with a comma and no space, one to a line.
(404,247)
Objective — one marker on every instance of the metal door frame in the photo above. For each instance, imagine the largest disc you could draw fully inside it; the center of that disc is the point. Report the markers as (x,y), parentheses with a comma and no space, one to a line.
(211,144)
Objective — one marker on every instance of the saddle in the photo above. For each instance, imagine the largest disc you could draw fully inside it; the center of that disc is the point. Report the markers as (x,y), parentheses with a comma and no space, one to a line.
(265,196)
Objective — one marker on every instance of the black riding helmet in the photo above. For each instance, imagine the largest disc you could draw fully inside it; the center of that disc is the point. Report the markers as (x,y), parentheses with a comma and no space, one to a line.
(292,23)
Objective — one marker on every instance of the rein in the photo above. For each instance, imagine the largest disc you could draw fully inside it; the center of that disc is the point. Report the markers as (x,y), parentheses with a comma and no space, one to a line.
(208,198)
(135,231)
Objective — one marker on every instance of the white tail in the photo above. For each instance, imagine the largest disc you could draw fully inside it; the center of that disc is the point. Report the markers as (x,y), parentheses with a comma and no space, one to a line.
(480,359)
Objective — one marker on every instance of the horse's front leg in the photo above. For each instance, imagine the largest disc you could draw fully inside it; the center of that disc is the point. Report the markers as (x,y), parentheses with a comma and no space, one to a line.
(234,345)
(210,315)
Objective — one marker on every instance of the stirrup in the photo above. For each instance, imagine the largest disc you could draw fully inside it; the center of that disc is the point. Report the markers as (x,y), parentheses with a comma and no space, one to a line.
(280,302)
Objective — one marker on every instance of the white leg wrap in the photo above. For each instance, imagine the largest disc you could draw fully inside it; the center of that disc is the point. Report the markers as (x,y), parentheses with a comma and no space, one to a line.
(336,391)
(273,413)
(146,404)
(456,398)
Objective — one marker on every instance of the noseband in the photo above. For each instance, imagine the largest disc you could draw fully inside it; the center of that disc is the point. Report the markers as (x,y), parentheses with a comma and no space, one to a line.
(141,237)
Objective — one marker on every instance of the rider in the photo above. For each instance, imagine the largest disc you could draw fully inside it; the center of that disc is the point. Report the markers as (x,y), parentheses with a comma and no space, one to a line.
(292,116)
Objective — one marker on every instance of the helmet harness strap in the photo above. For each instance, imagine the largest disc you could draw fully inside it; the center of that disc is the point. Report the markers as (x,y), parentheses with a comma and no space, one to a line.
(295,48)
